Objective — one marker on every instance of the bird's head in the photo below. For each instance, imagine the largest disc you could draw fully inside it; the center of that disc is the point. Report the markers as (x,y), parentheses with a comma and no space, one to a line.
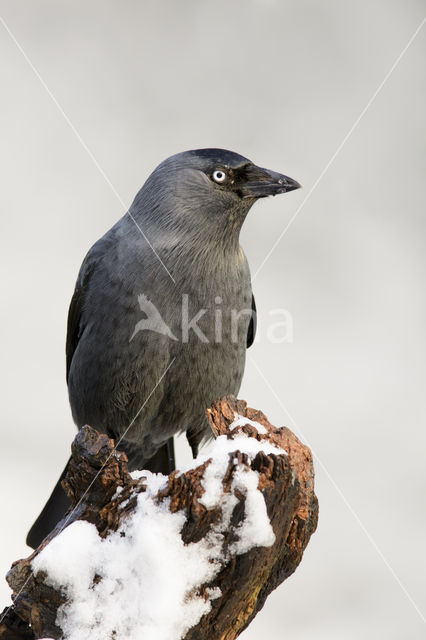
(208,185)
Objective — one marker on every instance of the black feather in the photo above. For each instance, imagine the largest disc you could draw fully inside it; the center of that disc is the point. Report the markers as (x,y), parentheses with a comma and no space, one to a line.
(251,333)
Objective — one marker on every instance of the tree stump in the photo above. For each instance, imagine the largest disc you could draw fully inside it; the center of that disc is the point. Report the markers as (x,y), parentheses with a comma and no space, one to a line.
(104,494)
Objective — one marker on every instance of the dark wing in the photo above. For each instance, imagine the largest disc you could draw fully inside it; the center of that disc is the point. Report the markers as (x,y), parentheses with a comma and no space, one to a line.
(251,333)
(75,328)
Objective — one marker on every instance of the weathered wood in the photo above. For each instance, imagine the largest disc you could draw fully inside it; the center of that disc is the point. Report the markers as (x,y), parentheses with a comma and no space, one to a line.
(245,581)
(12,627)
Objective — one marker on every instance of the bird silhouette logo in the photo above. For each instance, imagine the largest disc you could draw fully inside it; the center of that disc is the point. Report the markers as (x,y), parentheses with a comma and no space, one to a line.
(153,320)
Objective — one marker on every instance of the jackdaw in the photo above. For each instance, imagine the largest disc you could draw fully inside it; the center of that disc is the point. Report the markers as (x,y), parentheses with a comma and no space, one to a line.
(163,311)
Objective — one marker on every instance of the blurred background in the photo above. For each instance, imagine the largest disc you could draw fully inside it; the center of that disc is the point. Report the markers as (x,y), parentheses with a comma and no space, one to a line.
(281,83)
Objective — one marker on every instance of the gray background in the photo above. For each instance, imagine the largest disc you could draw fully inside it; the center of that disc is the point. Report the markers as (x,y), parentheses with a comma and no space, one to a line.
(282,83)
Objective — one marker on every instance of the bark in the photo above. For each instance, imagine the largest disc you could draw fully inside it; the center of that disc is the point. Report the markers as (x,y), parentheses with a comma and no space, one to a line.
(245,581)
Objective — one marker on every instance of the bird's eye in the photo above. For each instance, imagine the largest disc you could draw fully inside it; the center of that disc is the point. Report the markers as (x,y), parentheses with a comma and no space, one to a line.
(219,176)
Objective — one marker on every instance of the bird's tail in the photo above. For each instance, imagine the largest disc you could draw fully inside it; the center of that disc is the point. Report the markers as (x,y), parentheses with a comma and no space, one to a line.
(53,511)
(59,503)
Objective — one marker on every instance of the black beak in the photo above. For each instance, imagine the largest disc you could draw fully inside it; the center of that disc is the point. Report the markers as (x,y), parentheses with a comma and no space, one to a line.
(260,183)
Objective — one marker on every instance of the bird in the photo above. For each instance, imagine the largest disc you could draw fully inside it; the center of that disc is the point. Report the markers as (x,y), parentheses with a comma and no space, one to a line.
(163,312)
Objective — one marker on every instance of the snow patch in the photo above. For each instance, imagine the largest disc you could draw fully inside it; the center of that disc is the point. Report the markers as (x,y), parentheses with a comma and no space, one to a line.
(255,530)
(240,421)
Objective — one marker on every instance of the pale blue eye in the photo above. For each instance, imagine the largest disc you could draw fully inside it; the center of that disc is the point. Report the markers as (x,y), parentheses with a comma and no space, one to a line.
(219,176)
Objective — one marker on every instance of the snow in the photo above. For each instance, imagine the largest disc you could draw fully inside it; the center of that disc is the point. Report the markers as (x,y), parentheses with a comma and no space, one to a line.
(255,530)
(146,577)
(240,421)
